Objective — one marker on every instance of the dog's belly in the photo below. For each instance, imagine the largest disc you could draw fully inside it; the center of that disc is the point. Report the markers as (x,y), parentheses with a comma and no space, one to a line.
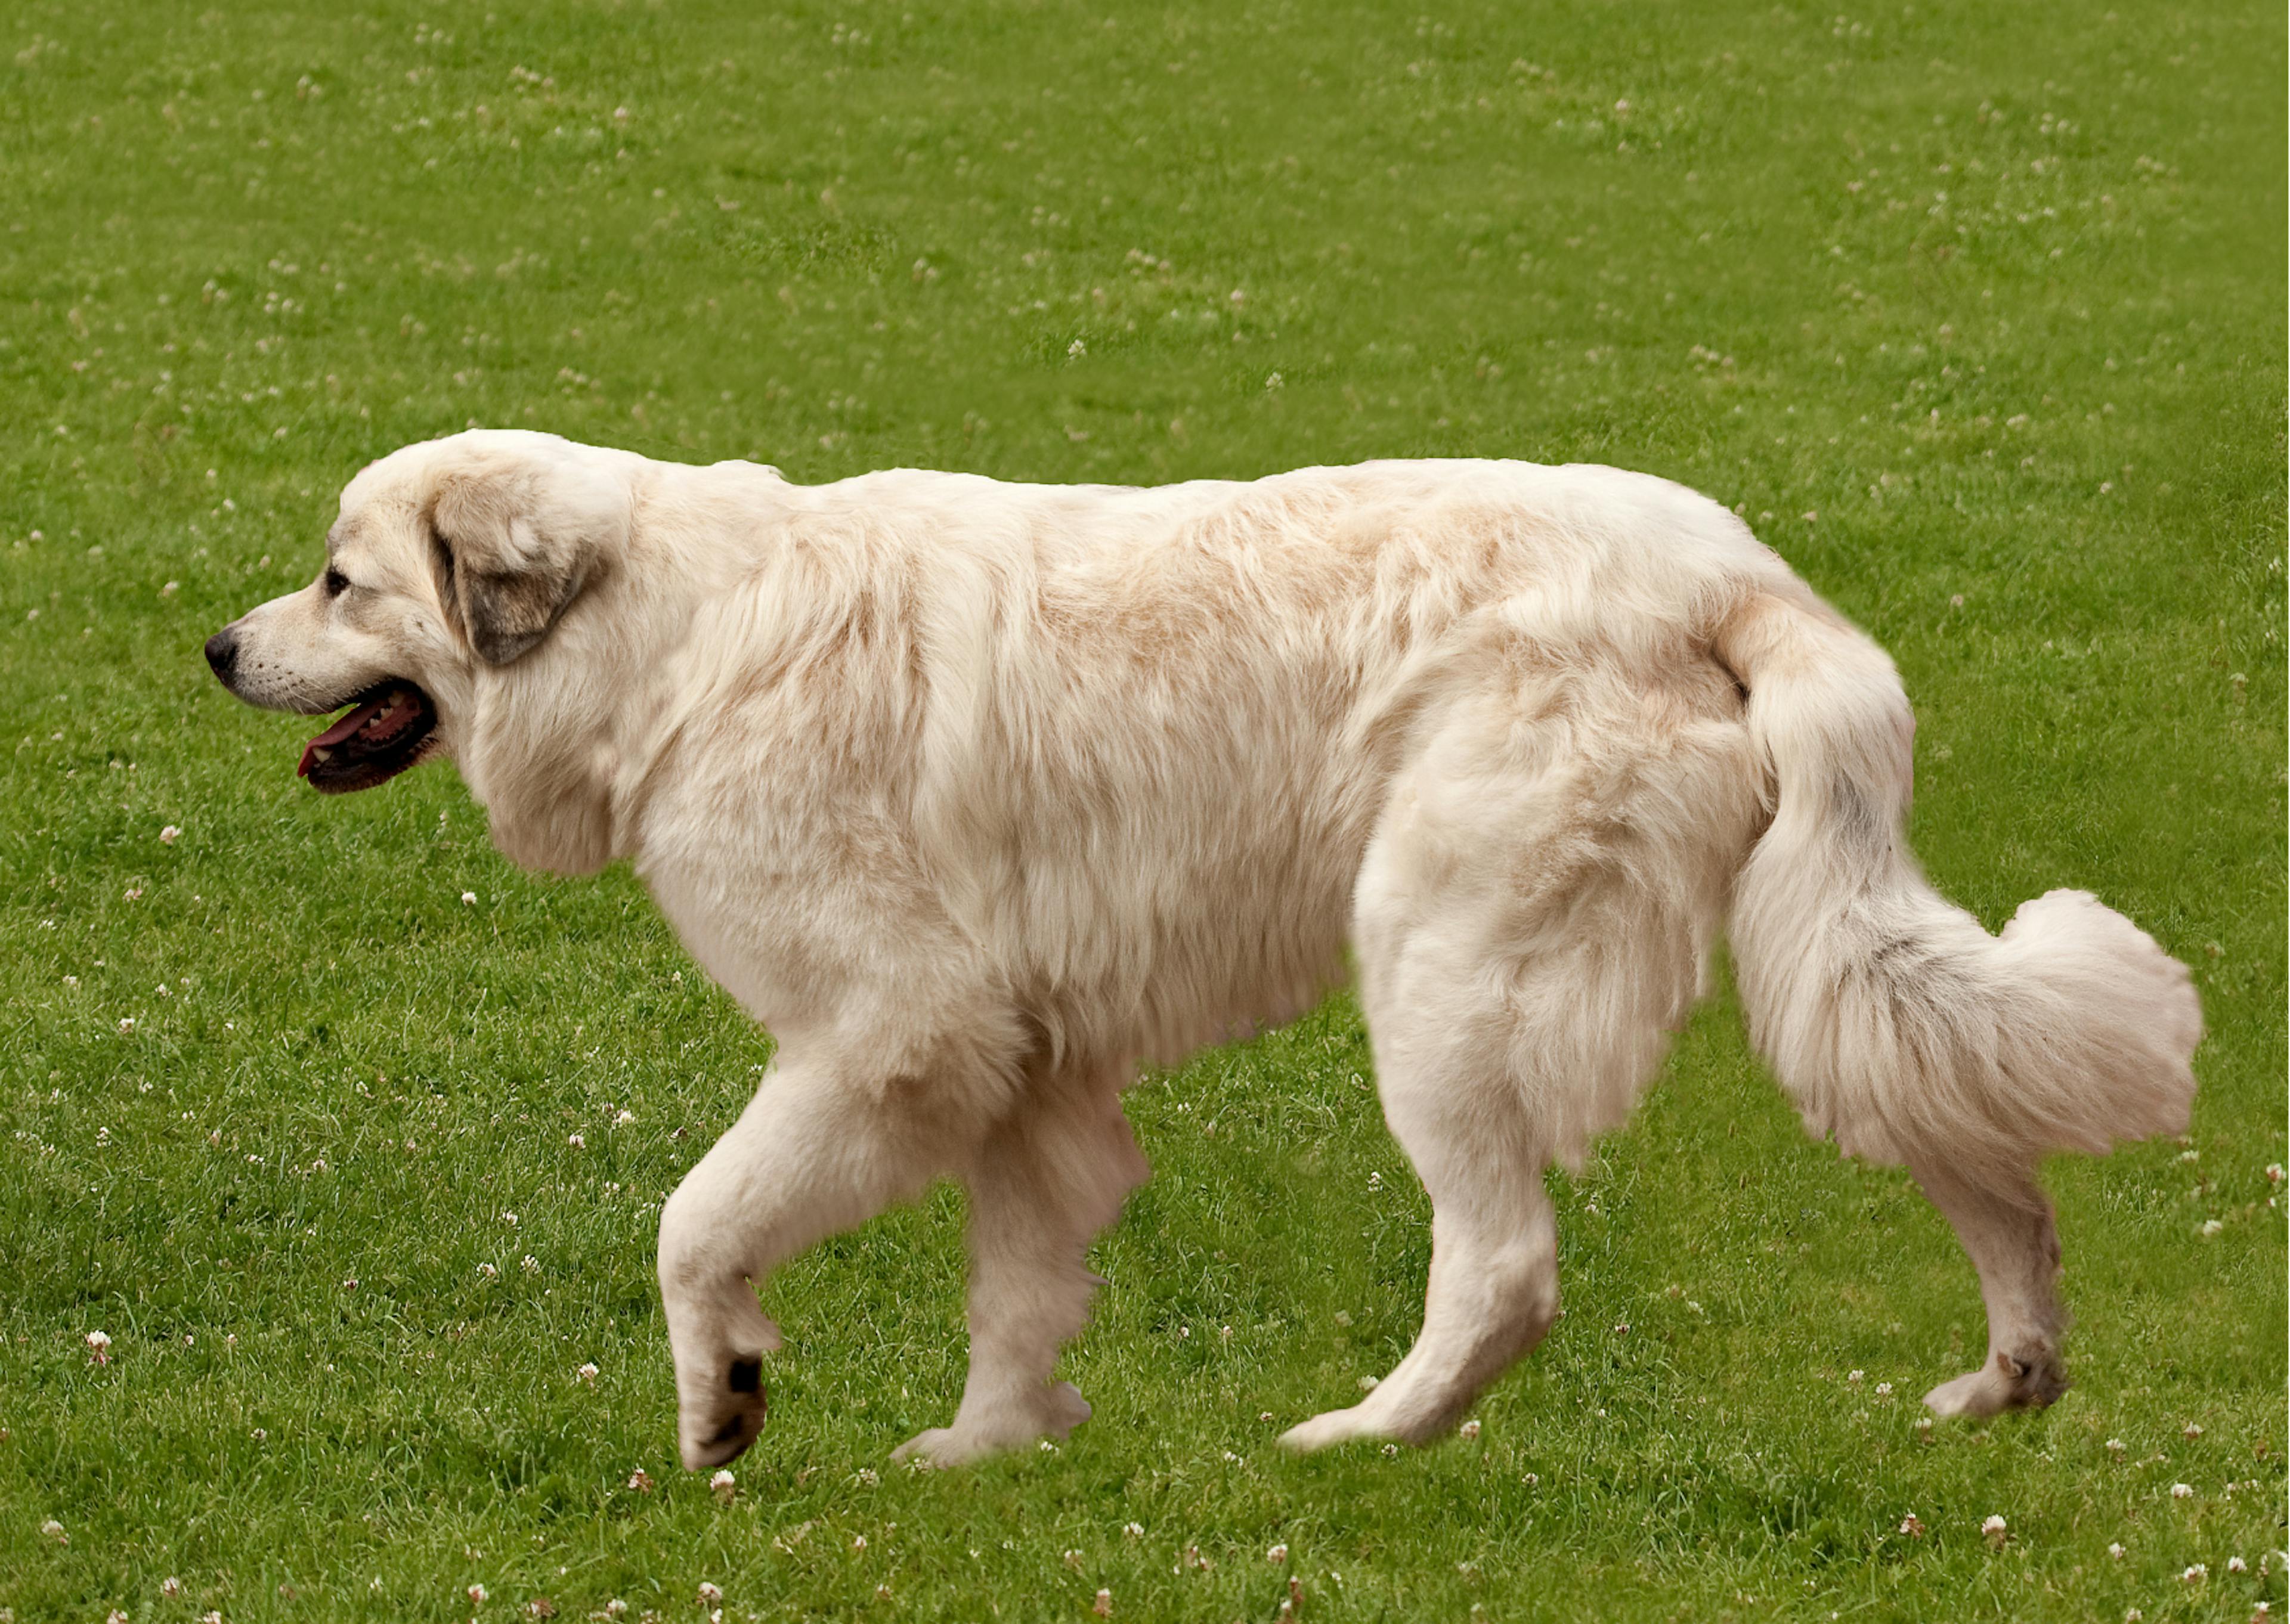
(1153,959)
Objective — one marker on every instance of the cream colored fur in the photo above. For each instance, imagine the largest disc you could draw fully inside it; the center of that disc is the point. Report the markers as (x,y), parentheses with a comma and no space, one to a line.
(977,795)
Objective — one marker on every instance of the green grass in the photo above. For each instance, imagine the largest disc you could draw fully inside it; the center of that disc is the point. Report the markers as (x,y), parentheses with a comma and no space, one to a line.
(1996,292)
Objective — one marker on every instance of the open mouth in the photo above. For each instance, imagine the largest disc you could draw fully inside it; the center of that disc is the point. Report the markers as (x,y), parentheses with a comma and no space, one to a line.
(386,730)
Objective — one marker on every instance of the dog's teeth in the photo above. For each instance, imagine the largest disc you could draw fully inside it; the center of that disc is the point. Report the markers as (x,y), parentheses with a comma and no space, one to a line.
(322,754)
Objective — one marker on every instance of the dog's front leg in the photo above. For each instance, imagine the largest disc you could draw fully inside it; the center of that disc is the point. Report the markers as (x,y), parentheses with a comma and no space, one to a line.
(815,1153)
(1046,1181)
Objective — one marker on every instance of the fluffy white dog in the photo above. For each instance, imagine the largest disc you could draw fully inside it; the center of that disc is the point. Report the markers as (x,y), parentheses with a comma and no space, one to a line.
(975,794)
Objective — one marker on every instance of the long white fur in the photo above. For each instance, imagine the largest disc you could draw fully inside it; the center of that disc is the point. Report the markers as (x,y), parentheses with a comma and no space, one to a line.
(978,794)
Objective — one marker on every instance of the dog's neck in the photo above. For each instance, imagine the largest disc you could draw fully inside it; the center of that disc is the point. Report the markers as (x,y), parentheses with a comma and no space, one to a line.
(565,783)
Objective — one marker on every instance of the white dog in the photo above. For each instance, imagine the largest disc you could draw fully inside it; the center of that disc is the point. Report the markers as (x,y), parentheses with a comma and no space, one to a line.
(975,794)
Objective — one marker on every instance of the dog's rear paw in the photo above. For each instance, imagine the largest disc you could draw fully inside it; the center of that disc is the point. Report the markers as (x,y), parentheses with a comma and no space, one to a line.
(2003,1383)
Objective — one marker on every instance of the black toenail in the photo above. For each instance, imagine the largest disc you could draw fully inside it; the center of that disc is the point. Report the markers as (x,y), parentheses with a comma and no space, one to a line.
(747,1375)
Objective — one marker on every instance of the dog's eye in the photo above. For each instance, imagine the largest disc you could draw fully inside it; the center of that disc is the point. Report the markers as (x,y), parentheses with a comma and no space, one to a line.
(337,583)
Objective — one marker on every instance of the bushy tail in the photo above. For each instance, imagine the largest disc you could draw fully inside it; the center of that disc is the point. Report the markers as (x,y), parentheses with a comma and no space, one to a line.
(1901,1027)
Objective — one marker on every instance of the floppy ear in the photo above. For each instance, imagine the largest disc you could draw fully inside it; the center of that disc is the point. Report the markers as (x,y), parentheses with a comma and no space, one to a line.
(513,542)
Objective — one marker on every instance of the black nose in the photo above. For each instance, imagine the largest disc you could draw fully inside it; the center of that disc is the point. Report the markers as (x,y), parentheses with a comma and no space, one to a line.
(223,652)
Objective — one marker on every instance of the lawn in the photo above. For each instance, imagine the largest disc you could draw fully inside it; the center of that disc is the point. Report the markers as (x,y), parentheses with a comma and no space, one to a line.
(1975,311)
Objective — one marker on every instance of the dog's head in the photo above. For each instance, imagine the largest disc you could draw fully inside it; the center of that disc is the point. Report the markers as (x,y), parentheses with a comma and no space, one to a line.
(451,575)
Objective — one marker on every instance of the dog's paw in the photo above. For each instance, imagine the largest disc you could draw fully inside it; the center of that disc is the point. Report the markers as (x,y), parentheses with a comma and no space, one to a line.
(1063,1408)
(1329,1428)
(934,1447)
(1055,1411)
(2003,1383)
(721,1429)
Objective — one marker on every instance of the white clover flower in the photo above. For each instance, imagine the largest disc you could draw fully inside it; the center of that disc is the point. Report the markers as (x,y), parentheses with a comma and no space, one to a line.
(127,1025)
(2116,1551)
(2182,1491)
(530,1264)
(2211,1225)
(1277,1554)
(55,1530)
(1853,1375)
(1996,1529)
(640,1481)
(2192,1429)
(98,1347)
(710,1595)
(2236,1565)
(1134,1530)
(477,1596)
(1102,1607)
(170,834)
(2196,1574)
(616,1608)
(577,1142)
(2115,1446)
(1468,1429)
(587,1373)
(486,1271)
(1913,1526)
(621,1119)
(1075,350)
(171,1586)
(724,1485)
(468,899)
(1884,1390)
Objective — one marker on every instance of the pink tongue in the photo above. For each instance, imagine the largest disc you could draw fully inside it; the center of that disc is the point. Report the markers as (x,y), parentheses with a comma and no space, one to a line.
(339,732)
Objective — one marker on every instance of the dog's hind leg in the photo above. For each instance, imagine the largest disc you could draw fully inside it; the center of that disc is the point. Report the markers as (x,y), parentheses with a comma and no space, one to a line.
(1531,926)
(1046,1181)
(2008,1233)
(1493,1287)
(819,1150)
